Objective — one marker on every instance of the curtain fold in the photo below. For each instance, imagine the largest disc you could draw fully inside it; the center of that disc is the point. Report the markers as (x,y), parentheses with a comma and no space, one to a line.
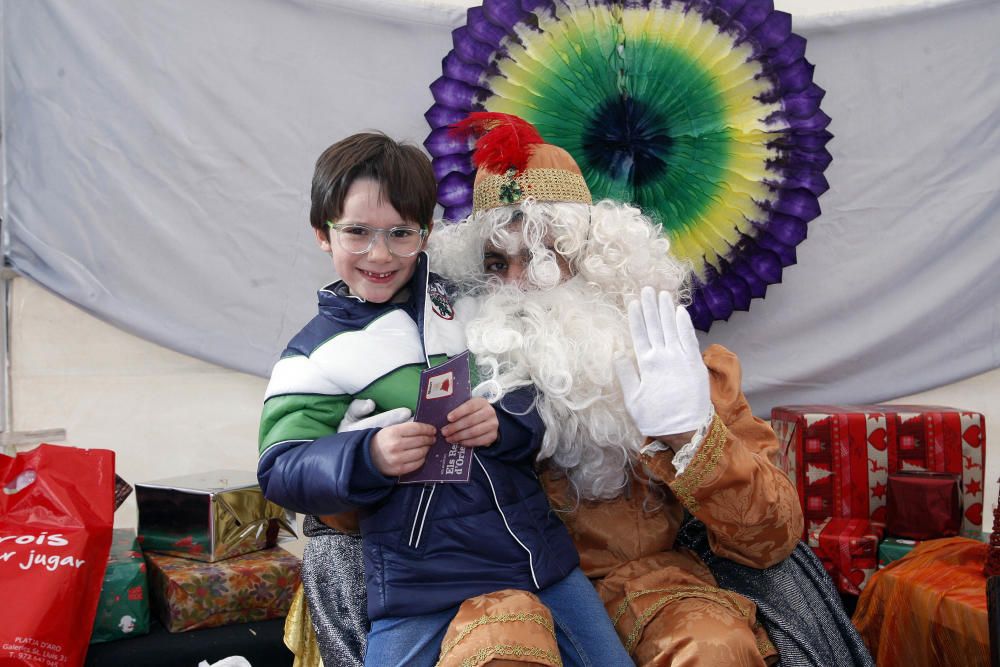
(158,158)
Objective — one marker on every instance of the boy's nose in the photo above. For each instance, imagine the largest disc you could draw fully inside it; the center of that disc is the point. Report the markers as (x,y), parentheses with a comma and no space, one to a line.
(380,249)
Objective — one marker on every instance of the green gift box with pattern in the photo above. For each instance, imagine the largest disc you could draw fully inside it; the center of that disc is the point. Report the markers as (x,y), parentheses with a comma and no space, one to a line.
(189,594)
(123,609)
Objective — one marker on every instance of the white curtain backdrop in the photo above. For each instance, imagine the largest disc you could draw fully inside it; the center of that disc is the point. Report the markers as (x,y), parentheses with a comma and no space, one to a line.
(157,159)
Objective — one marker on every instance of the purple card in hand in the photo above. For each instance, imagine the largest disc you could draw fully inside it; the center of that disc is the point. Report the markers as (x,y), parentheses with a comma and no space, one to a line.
(442,389)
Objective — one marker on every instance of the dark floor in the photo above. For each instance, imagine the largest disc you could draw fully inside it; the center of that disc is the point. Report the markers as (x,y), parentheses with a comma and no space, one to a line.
(260,643)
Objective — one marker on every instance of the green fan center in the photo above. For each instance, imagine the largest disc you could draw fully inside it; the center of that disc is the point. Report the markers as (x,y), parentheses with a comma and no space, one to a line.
(643,117)
(627,140)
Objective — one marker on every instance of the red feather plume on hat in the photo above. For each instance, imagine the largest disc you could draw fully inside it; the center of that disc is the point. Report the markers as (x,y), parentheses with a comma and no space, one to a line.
(502,140)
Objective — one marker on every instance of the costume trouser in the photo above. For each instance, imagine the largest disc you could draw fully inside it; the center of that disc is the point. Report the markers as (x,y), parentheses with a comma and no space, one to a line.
(668,611)
(796,602)
(583,633)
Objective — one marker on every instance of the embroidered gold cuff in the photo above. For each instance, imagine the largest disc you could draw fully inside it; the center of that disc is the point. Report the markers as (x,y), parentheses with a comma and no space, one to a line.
(484,654)
(514,617)
(703,464)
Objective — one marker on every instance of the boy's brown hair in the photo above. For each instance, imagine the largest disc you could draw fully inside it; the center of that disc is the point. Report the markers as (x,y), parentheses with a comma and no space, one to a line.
(402,171)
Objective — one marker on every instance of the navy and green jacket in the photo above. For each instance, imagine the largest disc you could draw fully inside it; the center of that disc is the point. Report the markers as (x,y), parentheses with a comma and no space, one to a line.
(427,547)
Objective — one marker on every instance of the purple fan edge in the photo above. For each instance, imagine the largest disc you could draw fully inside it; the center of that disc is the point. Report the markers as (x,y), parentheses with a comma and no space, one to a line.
(758,261)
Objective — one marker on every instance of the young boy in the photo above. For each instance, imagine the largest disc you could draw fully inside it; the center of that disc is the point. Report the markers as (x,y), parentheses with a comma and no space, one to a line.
(426,547)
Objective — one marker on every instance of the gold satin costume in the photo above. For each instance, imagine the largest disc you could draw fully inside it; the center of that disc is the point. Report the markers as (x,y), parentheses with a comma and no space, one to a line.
(664,602)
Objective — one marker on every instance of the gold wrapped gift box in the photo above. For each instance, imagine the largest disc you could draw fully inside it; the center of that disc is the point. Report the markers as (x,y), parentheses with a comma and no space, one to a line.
(209,516)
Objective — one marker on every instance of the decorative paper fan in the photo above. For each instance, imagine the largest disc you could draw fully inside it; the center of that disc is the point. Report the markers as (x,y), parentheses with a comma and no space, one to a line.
(703,113)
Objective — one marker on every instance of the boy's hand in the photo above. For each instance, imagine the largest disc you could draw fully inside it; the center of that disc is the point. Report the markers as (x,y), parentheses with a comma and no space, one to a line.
(472,424)
(402,448)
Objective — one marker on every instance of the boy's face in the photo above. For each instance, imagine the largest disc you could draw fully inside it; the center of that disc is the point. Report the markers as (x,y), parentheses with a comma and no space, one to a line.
(378,274)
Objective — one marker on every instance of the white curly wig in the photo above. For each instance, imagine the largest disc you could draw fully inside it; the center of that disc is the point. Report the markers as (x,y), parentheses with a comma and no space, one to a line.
(563,335)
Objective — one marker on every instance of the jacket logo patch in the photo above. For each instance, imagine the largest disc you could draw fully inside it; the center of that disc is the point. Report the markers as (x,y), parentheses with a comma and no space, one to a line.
(440,303)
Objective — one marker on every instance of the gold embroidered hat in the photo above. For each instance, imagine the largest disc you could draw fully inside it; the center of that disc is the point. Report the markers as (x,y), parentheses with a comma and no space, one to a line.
(513,163)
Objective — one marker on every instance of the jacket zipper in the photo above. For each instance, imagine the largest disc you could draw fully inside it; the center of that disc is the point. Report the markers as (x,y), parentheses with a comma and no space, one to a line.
(531,564)
(423,508)
(421,514)
(422,313)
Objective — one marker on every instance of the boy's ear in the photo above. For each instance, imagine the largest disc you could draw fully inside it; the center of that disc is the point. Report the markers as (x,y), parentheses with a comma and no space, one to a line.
(323,238)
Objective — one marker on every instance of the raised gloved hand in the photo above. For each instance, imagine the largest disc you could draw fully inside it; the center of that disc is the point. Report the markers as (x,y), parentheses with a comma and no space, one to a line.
(357,416)
(669,393)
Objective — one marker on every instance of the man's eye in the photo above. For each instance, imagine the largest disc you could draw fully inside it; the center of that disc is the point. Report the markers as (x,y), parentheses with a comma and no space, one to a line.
(495,266)
(355,231)
(403,233)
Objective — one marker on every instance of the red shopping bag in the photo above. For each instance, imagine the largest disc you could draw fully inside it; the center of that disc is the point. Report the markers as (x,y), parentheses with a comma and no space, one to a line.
(56,515)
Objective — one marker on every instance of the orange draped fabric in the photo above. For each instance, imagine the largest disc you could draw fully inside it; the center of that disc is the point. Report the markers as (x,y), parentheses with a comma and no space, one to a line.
(928,608)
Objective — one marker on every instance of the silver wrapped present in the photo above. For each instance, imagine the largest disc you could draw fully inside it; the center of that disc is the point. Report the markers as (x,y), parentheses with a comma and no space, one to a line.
(209,516)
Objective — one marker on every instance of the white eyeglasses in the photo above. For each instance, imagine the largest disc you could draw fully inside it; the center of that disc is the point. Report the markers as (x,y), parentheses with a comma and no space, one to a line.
(358,239)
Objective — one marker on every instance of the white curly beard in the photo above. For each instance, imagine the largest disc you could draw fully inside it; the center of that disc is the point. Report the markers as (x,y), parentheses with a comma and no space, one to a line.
(564,341)
(563,338)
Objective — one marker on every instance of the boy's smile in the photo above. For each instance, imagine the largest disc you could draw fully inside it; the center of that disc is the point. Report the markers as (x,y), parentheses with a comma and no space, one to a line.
(376,275)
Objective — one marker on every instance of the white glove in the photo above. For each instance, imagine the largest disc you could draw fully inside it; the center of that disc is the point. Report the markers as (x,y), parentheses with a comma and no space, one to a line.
(669,394)
(357,416)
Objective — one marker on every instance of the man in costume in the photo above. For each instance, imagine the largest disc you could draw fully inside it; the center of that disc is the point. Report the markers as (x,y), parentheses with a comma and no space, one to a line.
(567,290)
(581,301)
